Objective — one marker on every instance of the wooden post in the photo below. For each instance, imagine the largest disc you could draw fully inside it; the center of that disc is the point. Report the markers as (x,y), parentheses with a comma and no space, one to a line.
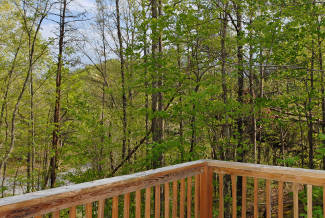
(206,191)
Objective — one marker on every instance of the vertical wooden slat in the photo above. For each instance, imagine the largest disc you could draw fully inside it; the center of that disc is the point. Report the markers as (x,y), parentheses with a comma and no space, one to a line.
(268,198)
(309,201)
(189,197)
(89,210)
(174,209)
(280,200)
(166,192)
(148,201)
(138,204)
(157,201)
(72,212)
(115,207)
(243,203)
(101,208)
(127,205)
(221,209)
(206,192)
(234,195)
(56,214)
(295,201)
(182,199)
(39,216)
(255,198)
(197,196)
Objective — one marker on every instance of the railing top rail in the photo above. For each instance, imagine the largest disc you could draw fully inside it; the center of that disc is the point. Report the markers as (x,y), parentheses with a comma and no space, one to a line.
(52,199)
(278,173)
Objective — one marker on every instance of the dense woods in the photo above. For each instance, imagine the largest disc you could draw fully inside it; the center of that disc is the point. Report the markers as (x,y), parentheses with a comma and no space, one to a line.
(130,85)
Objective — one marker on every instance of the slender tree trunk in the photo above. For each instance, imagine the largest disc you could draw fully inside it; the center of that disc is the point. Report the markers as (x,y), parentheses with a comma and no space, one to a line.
(56,119)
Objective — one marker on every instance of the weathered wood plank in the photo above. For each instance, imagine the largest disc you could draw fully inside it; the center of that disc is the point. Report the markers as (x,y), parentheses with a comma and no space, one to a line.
(126,208)
(268,198)
(101,208)
(166,192)
(182,199)
(295,201)
(89,210)
(206,191)
(280,199)
(221,203)
(285,174)
(255,198)
(197,196)
(189,197)
(157,201)
(138,204)
(148,203)
(55,199)
(234,195)
(174,209)
(244,190)
(309,201)
(115,207)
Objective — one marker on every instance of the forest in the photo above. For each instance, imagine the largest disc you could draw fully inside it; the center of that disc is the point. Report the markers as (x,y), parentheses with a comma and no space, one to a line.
(91,89)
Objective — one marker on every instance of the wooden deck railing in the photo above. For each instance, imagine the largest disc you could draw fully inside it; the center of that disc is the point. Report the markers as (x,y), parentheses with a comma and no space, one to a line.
(197,190)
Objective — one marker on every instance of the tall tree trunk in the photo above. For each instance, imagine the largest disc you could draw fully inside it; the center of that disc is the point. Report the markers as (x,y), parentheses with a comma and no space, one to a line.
(56,119)
(124,103)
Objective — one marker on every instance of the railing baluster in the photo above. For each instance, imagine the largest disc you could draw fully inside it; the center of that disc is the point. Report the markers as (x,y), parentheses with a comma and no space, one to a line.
(39,216)
(280,200)
(166,192)
(309,201)
(255,197)
(324,200)
(56,214)
(72,212)
(295,201)
(182,199)
(189,197)
(174,209)
(268,198)
(147,205)
(206,192)
(138,204)
(221,209)
(157,201)
(243,203)
(126,205)
(234,195)
(89,210)
(115,207)
(197,196)
(101,208)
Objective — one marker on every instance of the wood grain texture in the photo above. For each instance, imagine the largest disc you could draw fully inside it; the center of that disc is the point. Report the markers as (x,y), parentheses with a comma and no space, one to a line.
(167,201)
(175,202)
(101,208)
(147,210)
(157,201)
(55,199)
(39,216)
(138,204)
(126,209)
(244,190)
(295,201)
(280,199)
(89,210)
(197,196)
(56,214)
(221,203)
(72,212)
(234,195)
(206,192)
(285,174)
(115,207)
(182,199)
(268,198)
(189,197)
(309,201)
(255,198)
